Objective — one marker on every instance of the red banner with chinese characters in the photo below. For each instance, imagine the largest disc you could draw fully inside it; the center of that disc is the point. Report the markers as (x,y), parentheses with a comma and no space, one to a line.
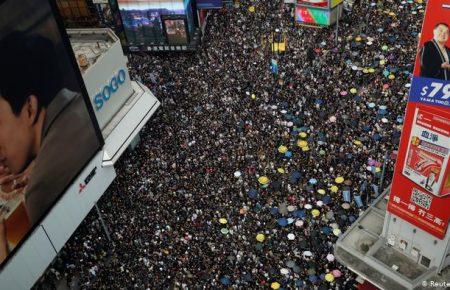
(420,192)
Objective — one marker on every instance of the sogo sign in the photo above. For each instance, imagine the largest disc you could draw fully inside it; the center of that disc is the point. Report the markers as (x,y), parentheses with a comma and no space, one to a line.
(109,89)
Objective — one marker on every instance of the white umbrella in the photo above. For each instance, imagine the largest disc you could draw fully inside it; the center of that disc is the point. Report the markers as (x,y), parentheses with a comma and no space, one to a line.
(284,271)
(330,257)
(291,237)
(308,206)
(237,174)
(291,208)
(299,223)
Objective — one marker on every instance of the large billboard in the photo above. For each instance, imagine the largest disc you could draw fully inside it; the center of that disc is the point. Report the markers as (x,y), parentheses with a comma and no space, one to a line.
(420,190)
(322,4)
(142,19)
(176,29)
(47,135)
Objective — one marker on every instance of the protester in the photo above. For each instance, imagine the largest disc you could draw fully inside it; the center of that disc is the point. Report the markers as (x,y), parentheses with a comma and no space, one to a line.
(245,178)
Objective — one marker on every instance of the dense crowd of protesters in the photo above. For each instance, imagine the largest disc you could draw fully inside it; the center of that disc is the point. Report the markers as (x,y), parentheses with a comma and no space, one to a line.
(246,176)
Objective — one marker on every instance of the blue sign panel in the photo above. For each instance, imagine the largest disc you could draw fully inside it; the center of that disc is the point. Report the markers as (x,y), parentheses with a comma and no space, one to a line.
(209,4)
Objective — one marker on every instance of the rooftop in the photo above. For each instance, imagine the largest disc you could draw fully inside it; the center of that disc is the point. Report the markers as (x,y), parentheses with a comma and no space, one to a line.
(89,44)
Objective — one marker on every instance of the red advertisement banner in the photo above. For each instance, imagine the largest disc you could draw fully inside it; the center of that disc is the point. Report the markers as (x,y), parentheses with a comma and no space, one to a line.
(420,192)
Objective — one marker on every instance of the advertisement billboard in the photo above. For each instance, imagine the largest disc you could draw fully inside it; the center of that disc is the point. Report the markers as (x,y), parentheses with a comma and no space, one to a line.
(420,191)
(209,4)
(47,132)
(322,4)
(142,19)
(175,28)
(312,16)
(314,3)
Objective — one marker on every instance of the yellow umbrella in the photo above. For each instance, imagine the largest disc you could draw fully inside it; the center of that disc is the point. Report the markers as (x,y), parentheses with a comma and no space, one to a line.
(251,9)
(282,149)
(329,277)
(353,90)
(391,14)
(303,134)
(260,238)
(382,62)
(315,212)
(306,148)
(223,221)
(281,170)
(365,71)
(253,96)
(321,191)
(339,179)
(337,232)
(302,143)
(371,70)
(357,142)
(391,77)
(334,188)
(263,180)
(275,285)
(377,169)
(358,38)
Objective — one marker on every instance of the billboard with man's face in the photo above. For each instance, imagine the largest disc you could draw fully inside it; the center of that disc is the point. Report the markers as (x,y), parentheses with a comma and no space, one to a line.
(47,135)
(420,191)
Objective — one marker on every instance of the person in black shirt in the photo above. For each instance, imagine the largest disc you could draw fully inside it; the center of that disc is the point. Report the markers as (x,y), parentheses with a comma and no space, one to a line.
(434,58)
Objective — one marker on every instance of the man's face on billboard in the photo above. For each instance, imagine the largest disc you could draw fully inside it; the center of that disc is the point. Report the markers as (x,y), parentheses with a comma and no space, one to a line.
(16,135)
(441,34)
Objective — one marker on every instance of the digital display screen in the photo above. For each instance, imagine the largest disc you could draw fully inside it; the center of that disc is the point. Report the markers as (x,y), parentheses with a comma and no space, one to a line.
(47,132)
(176,31)
(142,19)
(312,16)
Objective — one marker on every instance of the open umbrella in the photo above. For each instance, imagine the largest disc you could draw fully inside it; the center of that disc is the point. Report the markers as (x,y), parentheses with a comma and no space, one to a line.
(253,193)
(321,191)
(291,237)
(303,135)
(308,206)
(291,208)
(302,143)
(282,222)
(282,149)
(263,180)
(337,232)
(223,221)
(334,188)
(260,238)
(336,273)
(224,231)
(290,264)
(275,285)
(332,119)
(225,280)
(330,257)
(313,181)
(329,277)
(299,223)
(315,212)
(288,154)
(326,199)
(281,170)
(237,174)
(339,179)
